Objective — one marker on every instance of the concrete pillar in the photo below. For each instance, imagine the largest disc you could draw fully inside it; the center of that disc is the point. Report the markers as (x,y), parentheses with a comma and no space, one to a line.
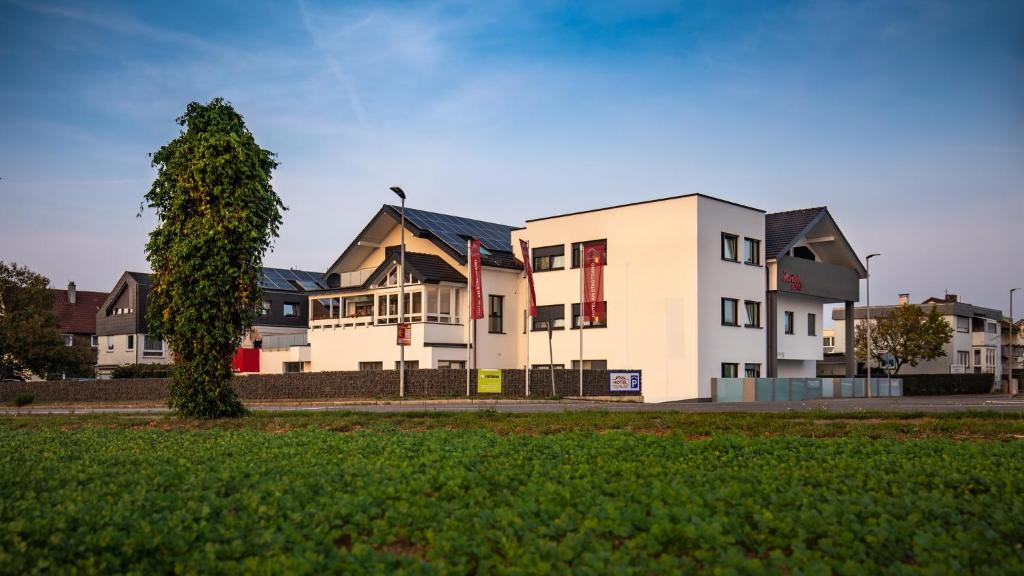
(771,325)
(851,342)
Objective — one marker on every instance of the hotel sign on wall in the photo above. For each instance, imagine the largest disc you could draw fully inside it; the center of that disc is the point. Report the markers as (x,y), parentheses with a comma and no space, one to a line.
(818,279)
(796,284)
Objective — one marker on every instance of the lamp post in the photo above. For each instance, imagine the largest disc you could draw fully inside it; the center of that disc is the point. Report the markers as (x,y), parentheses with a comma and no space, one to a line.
(401,297)
(867,385)
(1012,335)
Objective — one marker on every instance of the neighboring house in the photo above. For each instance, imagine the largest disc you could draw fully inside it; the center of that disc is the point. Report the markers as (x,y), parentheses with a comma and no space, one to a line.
(690,293)
(1012,341)
(828,340)
(975,346)
(75,312)
(280,323)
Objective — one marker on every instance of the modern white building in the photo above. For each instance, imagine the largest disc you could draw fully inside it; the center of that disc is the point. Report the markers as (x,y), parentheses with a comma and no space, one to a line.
(975,346)
(695,288)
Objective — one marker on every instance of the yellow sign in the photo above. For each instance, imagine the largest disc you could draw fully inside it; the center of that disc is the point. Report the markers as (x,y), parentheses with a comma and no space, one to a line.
(488,381)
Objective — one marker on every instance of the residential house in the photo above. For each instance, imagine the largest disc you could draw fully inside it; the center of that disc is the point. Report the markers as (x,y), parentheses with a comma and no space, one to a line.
(75,312)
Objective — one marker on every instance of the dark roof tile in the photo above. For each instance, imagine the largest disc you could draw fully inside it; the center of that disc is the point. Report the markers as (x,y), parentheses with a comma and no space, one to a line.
(781,228)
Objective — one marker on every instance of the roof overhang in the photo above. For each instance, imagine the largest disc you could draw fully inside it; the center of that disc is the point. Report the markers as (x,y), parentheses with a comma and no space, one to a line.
(826,240)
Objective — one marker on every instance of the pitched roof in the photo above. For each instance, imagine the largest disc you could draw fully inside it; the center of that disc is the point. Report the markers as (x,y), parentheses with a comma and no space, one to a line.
(452,232)
(427,268)
(781,229)
(277,279)
(80,317)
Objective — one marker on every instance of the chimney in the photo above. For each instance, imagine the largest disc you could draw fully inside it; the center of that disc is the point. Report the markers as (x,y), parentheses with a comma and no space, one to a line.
(904,299)
(71,292)
(952,298)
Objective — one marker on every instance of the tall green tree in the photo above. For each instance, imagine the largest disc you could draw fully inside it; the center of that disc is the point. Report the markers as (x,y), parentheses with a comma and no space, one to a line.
(218,215)
(907,332)
(30,340)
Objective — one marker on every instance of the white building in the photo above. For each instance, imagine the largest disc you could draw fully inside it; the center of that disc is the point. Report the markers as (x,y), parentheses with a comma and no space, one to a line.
(695,288)
(975,346)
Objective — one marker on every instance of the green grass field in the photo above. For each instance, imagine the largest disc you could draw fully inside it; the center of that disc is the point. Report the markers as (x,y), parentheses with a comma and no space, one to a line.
(593,493)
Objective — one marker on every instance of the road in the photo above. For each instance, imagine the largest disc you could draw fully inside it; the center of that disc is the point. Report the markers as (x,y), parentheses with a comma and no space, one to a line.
(998,403)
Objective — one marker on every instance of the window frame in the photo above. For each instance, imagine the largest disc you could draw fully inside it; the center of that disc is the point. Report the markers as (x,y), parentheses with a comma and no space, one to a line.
(69,339)
(574,311)
(548,254)
(735,369)
(576,247)
(110,343)
(734,239)
(735,311)
(589,364)
(493,318)
(371,366)
(284,310)
(130,342)
(757,319)
(94,341)
(746,369)
(148,352)
(756,252)
(812,324)
(788,319)
(459,365)
(540,318)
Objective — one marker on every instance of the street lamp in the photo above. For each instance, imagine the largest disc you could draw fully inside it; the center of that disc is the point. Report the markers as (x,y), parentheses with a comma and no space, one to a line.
(867,386)
(1013,334)
(401,297)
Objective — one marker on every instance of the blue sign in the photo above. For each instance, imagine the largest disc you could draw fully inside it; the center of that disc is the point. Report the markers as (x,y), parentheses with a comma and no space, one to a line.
(623,381)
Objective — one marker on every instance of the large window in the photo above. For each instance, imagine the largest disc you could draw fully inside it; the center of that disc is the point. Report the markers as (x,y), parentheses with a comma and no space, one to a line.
(752,251)
(812,324)
(387,309)
(370,366)
(549,258)
(495,319)
(451,364)
(590,364)
(787,322)
(729,247)
(730,312)
(963,358)
(576,251)
(292,309)
(730,370)
(152,347)
(751,370)
(752,314)
(592,323)
(553,315)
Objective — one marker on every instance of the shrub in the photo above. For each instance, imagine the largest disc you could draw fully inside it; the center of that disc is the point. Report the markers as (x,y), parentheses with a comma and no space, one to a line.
(940,384)
(23,399)
(143,371)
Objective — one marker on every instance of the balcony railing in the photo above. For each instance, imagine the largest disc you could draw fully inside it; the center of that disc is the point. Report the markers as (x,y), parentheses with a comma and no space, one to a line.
(282,341)
(355,277)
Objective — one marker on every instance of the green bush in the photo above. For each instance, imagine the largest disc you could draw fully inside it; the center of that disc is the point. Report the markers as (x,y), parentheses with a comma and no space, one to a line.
(23,399)
(143,371)
(939,384)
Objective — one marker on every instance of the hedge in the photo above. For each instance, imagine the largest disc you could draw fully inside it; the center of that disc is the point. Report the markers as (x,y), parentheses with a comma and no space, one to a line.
(142,371)
(939,384)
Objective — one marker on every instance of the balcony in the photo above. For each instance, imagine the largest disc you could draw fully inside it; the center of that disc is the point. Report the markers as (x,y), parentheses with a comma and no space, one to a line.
(355,277)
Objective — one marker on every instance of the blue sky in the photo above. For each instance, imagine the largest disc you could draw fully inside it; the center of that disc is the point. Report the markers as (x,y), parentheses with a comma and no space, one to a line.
(905,118)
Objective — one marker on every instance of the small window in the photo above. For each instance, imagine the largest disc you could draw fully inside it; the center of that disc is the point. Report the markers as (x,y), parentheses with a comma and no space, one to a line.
(409,364)
(371,366)
(787,322)
(600,322)
(451,364)
(977,357)
(803,252)
(495,320)
(291,367)
(576,251)
(292,309)
(990,327)
(751,370)
(547,366)
(963,358)
(590,364)
(730,370)
(94,341)
(131,342)
(69,340)
(729,247)
(553,315)
(265,309)
(752,251)
(152,347)
(963,324)
(730,315)
(549,258)
(752,314)
(812,324)
(829,341)
(110,343)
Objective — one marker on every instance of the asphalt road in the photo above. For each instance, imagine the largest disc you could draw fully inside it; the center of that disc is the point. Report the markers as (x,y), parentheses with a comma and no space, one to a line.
(1000,403)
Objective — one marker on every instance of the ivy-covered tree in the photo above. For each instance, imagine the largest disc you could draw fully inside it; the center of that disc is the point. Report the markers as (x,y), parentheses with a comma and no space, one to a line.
(30,340)
(218,215)
(907,332)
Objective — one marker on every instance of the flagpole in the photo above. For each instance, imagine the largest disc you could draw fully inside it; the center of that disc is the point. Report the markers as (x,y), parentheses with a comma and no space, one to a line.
(581,319)
(526,320)
(469,310)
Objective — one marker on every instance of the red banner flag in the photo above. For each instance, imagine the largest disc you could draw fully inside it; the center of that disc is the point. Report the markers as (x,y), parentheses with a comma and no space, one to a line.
(593,282)
(476,286)
(525,247)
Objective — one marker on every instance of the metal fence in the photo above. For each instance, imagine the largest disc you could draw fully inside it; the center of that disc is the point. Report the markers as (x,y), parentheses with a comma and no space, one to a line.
(796,389)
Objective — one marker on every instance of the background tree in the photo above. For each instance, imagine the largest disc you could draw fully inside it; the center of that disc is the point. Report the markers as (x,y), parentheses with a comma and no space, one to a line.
(907,332)
(218,215)
(30,340)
